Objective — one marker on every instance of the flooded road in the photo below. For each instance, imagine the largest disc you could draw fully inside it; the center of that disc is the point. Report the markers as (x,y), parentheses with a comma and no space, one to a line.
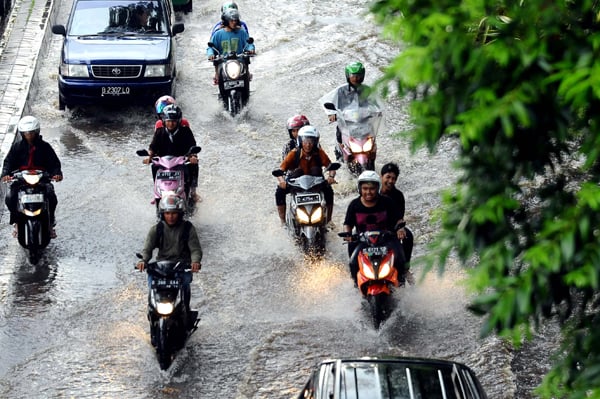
(75,326)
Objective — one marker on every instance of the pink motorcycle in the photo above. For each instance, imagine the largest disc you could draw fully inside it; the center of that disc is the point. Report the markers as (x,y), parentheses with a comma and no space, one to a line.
(171,176)
(359,126)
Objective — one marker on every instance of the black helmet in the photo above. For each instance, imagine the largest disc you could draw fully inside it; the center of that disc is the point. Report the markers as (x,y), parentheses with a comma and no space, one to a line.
(172,113)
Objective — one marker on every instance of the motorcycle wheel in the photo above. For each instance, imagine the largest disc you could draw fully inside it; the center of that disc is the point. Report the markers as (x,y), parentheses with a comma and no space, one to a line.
(380,309)
(355,168)
(235,103)
(163,347)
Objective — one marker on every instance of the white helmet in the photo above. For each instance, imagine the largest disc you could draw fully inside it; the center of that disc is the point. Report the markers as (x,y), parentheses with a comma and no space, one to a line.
(308,131)
(29,124)
(369,176)
(171,203)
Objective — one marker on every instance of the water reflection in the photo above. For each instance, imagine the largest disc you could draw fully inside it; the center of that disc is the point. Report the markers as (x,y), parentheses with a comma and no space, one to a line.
(32,283)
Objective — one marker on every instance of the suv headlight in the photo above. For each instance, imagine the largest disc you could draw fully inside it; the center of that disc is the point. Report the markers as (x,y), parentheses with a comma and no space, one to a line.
(74,70)
(157,71)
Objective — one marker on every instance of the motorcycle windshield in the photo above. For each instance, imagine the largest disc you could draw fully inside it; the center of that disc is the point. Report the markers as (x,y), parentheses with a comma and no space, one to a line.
(360,122)
(305,182)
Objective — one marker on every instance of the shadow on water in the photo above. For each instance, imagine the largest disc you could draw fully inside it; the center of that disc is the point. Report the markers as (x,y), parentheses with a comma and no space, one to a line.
(32,283)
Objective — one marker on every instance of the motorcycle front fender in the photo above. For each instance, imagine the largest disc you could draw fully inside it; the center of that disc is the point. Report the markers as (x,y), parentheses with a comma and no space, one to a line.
(378,288)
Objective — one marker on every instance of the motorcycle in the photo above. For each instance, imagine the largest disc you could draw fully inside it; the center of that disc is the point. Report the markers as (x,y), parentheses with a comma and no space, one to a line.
(377,277)
(170,323)
(306,211)
(170,176)
(359,126)
(34,227)
(234,78)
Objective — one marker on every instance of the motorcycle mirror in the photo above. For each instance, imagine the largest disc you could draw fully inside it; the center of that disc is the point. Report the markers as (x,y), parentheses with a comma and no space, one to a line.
(344,234)
(139,255)
(211,45)
(334,166)
(250,40)
(277,173)
(194,149)
(142,153)
(330,106)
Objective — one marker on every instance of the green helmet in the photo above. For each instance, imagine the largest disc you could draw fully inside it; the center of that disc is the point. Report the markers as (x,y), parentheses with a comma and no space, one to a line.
(355,68)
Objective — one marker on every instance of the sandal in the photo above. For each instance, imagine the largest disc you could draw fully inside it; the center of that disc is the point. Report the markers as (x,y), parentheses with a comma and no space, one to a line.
(215,81)
(196,197)
(15,232)
(52,233)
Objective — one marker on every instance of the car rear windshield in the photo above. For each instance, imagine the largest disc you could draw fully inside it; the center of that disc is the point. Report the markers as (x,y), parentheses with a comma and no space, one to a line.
(410,381)
(92,18)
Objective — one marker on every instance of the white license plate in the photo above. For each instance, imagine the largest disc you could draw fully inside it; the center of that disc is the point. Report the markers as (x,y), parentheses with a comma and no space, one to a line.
(32,198)
(170,175)
(375,251)
(232,84)
(115,91)
(304,199)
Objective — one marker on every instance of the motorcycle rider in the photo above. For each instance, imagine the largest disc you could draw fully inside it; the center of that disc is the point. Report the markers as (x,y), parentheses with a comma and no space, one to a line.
(31,152)
(176,240)
(231,38)
(293,126)
(389,177)
(175,137)
(307,159)
(220,24)
(353,91)
(372,211)
(160,105)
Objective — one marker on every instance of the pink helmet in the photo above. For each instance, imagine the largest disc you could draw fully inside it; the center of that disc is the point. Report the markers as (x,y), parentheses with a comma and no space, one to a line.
(296,122)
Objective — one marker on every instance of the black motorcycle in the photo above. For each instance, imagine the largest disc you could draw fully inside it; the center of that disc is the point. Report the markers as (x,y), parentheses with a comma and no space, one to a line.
(234,78)
(170,322)
(34,227)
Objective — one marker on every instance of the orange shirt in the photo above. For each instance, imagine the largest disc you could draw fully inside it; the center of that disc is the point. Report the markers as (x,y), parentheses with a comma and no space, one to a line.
(307,162)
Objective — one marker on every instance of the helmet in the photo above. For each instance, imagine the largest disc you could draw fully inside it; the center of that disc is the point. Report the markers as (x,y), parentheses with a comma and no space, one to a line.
(161,103)
(29,124)
(171,203)
(172,113)
(308,131)
(228,4)
(355,68)
(296,122)
(369,176)
(230,14)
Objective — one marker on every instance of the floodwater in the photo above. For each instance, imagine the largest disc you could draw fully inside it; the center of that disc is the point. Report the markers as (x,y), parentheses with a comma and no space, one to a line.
(75,325)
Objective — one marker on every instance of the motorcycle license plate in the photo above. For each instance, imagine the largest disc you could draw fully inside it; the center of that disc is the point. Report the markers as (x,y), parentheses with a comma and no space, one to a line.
(304,199)
(375,251)
(233,84)
(115,91)
(165,283)
(168,175)
(32,198)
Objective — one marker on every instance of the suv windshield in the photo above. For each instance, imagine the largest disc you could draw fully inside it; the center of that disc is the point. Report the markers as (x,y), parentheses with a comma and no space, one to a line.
(105,17)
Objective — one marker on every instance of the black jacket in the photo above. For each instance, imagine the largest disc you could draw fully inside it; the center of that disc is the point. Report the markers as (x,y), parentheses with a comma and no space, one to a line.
(162,145)
(42,157)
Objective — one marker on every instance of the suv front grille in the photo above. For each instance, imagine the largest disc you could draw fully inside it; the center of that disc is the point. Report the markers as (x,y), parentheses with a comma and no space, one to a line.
(116,71)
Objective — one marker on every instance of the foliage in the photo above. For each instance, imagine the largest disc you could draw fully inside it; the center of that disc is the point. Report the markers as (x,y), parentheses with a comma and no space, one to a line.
(518,84)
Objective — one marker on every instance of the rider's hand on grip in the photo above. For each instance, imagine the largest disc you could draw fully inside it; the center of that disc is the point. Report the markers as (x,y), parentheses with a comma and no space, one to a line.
(141,265)
(196,266)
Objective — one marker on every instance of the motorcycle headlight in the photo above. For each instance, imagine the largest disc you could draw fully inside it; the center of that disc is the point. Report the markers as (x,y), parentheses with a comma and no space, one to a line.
(32,178)
(302,216)
(367,268)
(355,147)
(165,308)
(32,213)
(233,69)
(386,268)
(317,215)
(368,146)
